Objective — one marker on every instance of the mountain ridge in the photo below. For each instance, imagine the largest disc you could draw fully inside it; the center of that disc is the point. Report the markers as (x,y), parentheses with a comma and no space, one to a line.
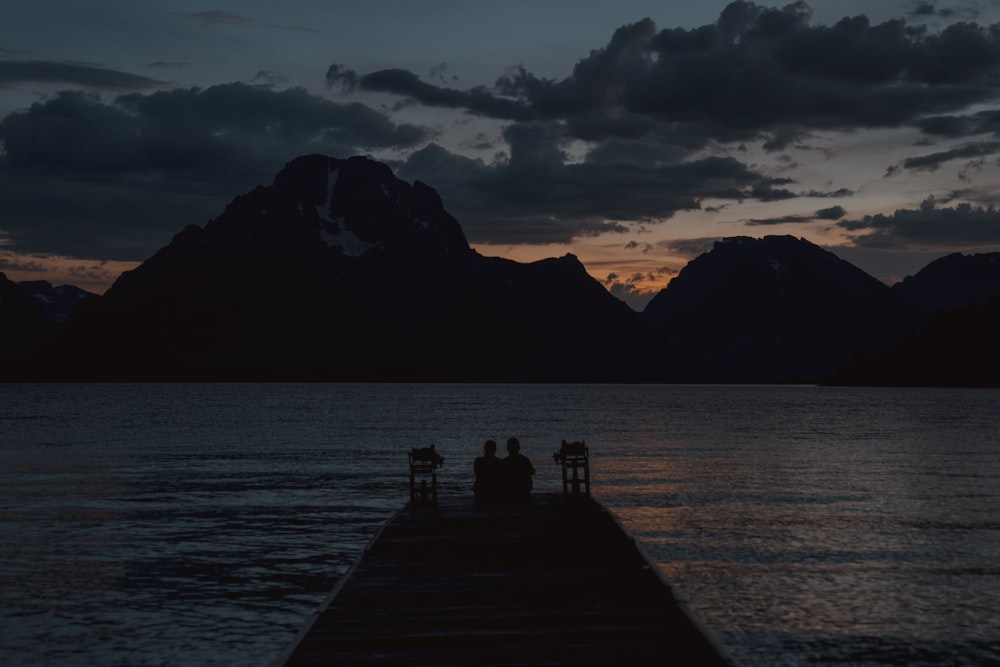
(339,270)
(774,309)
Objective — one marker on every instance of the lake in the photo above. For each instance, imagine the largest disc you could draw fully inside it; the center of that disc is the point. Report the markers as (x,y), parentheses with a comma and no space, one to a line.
(168,524)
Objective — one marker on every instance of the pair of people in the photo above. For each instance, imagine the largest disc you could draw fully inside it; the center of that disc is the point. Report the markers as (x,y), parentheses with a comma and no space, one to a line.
(503,481)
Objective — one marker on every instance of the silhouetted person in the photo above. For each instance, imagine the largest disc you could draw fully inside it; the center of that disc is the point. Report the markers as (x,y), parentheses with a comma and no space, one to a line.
(517,472)
(488,487)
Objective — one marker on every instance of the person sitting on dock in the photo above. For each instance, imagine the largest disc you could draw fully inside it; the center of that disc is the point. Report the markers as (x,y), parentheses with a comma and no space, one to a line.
(517,472)
(488,468)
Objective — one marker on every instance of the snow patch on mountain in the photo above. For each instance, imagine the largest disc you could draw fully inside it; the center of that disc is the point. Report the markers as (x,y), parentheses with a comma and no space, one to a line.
(335,233)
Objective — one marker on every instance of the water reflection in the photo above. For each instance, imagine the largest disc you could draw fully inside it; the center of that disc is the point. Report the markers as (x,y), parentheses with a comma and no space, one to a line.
(177,524)
(836,553)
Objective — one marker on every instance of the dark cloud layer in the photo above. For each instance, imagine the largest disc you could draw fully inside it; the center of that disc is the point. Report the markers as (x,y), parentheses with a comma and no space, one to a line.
(966,10)
(758,73)
(478,100)
(929,225)
(933,161)
(653,123)
(14,72)
(115,178)
(651,99)
(831,213)
(537,196)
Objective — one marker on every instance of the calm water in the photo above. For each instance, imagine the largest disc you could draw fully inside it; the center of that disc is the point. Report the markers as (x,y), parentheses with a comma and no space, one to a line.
(203,524)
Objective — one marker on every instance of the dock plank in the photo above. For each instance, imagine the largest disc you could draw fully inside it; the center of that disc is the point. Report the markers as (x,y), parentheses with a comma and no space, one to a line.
(557,582)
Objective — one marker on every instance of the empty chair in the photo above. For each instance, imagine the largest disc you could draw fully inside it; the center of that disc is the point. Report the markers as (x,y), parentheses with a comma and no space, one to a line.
(574,457)
(424,462)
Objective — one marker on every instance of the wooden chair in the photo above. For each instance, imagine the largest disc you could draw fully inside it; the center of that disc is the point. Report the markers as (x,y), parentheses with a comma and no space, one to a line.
(574,457)
(424,462)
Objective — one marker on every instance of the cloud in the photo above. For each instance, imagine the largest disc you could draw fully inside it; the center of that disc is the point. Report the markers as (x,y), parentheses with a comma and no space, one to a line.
(640,129)
(638,289)
(478,100)
(656,148)
(481,141)
(960,226)
(832,213)
(652,108)
(440,72)
(971,169)
(930,10)
(954,126)
(758,73)
(268,78)
(92,273)
(923,9)
(190,126)
(690,248)
(11,262)
(14,72)
(537,195)
(828,194)
(933,161)
(766,191)
(781,220)
(347,79)
(627,292)
(86,176)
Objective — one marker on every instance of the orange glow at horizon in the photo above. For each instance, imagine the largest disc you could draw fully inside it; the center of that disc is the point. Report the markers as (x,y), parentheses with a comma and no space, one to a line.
(607,263)
(92,275)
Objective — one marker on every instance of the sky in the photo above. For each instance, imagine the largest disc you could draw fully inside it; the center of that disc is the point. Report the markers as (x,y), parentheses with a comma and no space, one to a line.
(632,134)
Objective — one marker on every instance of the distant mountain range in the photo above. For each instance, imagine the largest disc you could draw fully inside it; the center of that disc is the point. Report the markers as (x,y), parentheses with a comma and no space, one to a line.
(56,303)
(30,314)
(341,271)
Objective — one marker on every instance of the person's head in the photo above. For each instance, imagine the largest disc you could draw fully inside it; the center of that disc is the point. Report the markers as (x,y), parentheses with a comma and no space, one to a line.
(490,447)
(513,446)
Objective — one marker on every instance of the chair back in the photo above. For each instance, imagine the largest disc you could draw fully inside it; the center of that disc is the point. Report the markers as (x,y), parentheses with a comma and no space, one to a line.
(574,457)
(424,462)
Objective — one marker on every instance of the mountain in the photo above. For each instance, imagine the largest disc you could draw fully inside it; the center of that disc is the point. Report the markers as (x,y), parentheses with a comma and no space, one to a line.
(56,302)
(953,348)
(773,309)
(338,270)
(24,325)
(955,341)
(954,281)
(341,271)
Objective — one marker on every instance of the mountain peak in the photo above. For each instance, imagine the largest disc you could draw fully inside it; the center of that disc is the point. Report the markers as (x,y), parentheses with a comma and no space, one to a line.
(772,309)
(56,302)
(953,281)
(340,270)
(331,210)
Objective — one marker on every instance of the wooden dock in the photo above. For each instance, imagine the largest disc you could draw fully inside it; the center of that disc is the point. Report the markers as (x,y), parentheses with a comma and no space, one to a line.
(557,582)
